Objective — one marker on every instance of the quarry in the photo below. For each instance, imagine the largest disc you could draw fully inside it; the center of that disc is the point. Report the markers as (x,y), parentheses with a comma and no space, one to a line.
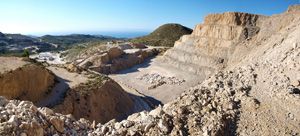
(235,74)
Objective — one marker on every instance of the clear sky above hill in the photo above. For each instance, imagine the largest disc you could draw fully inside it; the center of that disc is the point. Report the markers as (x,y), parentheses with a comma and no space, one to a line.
(84,16)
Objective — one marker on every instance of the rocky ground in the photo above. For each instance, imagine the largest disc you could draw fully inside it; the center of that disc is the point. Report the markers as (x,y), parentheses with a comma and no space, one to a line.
(157,80)
(211,108)
(153,78)
(228,103)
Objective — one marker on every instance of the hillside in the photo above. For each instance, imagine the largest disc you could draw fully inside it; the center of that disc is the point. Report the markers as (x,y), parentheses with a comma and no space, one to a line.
(165,35)
(64,42)
(16,43)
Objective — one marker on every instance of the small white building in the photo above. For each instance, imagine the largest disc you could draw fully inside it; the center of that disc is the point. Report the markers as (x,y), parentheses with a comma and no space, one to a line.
(46,54)
(110,43)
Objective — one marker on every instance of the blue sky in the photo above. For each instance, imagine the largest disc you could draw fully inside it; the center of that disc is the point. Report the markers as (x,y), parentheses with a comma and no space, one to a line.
(91,16)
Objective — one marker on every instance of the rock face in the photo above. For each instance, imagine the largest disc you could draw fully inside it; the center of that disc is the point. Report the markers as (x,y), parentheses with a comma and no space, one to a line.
(26,83)
(102,104)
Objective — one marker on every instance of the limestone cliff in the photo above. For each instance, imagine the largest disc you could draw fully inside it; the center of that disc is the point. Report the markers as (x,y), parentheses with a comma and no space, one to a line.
(100,104)
(30,82)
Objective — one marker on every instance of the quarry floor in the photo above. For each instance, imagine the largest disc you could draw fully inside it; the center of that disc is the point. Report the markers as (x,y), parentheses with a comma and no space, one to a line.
(161,94)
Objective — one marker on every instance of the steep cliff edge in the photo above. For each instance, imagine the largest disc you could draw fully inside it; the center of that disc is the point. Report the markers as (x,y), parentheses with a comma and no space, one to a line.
(29,82)
(101,104)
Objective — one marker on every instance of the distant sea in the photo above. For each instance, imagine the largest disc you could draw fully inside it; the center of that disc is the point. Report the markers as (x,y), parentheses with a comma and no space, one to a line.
(116,34)
(122,34)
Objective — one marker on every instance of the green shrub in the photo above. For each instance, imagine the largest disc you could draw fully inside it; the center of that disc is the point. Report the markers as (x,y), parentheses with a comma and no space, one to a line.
(25,53)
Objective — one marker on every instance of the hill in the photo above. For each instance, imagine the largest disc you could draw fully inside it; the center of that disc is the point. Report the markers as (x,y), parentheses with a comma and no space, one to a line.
(165,35)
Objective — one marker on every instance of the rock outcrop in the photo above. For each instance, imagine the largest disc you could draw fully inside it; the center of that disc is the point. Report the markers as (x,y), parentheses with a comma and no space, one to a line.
(115,59)
(29,82)
(101,104)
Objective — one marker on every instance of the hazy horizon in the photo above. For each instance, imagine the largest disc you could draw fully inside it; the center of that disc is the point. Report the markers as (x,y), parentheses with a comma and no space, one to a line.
(116,34)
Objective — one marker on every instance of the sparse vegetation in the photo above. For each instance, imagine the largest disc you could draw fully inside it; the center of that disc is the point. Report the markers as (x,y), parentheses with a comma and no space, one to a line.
(68,41)
(92,84)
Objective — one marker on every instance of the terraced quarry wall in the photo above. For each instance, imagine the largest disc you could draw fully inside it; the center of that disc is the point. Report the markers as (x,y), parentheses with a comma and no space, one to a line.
(212,43)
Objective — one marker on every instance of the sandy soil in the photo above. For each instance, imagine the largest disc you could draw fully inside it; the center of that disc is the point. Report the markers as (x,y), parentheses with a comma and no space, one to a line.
(10,63)
(161,94)
(67,80)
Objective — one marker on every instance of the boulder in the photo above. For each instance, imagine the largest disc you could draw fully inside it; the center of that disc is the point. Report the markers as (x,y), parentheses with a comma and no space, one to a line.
(14,120)
(115,52)
(46,111)
(58,124)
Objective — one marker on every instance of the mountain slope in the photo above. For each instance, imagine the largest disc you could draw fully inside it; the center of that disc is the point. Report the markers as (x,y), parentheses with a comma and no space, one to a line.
(16,43)
(165,35)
